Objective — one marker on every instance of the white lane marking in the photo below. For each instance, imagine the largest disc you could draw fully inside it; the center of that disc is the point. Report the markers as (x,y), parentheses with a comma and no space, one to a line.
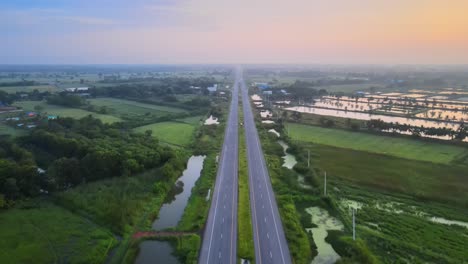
(219,254)
(248,122)
(221,235)
(265,219)
(271,255)
(268,235)
(263,206)
(222,160)
(269,198)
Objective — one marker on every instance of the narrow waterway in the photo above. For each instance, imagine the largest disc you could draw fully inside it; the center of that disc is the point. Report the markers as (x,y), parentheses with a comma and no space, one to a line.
(169,215)
(321,218)
(152,251)
(171,212)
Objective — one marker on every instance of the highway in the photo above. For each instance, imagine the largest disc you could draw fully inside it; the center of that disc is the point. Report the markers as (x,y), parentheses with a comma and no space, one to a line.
(269,239)
(219,243)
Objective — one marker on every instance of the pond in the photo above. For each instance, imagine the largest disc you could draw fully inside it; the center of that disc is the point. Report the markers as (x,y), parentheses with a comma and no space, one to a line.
(323,220)
(367,116)
(170,214)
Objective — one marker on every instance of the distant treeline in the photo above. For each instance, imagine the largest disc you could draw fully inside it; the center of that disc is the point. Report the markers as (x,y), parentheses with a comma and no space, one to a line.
(21,83)
(459,134)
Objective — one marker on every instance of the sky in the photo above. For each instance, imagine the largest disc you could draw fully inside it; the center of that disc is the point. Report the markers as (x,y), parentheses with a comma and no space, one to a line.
(240,31)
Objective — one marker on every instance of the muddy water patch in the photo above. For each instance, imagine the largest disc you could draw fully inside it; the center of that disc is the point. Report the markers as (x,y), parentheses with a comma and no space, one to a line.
(322,219)
(288,159)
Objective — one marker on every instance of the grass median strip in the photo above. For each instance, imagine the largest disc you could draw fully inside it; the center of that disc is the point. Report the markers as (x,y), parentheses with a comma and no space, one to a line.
(245,235)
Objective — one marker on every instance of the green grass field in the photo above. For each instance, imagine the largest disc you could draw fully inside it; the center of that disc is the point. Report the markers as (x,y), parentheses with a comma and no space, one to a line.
(193,120)
(399,147)
(45,233)
(62,111)
(170,132)
(131,108)
(437,182)
(40,88)
(8,130)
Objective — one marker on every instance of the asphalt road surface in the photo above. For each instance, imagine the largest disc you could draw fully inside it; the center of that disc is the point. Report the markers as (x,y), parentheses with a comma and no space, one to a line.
(269,239)
(220,236)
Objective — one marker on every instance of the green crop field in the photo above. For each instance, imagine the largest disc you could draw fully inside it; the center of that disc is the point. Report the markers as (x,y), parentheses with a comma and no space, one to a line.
(170,132)
(438,182)
(45,233)
(128,108)
(399,147)
(62,111)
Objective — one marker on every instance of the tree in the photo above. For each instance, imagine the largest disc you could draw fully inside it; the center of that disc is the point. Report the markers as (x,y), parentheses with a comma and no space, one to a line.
(148,133)
(38,108)
(64,173)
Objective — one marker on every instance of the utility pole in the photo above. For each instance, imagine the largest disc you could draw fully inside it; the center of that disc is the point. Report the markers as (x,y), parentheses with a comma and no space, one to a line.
(325,184)
(354,225)
(308,158)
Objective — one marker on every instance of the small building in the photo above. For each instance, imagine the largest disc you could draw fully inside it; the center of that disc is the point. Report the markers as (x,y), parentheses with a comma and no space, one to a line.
(70,90)
(31,114)
(51,117)
(212,89)
(268,92)
(262,86)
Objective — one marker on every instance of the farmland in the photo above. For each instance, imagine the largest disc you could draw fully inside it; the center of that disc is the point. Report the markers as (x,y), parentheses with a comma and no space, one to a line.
(424,180)
(396,201)
(26,238)
(398,147)
(64,111)
(170,132)
(125,108)
(40,88)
